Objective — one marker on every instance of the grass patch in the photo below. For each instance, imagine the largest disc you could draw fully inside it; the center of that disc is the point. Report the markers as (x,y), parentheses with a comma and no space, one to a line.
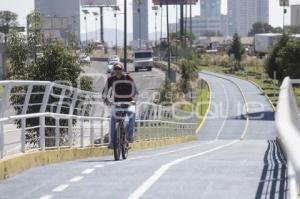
(1,91)
(200,104)
(255,74)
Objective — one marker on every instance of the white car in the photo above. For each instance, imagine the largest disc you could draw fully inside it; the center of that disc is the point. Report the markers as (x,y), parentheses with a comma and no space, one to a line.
(110,67)
(114,58)
(84,59)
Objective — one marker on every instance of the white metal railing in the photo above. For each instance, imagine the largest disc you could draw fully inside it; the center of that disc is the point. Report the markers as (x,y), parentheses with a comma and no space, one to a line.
(40,115)
(288,127)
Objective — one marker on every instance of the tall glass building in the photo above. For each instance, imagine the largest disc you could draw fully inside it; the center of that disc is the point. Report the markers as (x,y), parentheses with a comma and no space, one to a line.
(60,18)
(210,8)
(140,19)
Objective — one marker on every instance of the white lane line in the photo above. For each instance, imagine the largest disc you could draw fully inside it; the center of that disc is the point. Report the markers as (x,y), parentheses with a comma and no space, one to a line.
(227,110)
(164,168)
(46,197)
(173,151)
(88,171)
(99,166)
(60,188)
(76,179)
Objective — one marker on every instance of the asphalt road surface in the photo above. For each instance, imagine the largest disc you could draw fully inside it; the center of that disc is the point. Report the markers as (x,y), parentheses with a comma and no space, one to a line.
(218,165)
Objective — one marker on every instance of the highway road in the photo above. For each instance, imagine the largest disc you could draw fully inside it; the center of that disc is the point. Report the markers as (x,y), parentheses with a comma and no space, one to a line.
(219,165)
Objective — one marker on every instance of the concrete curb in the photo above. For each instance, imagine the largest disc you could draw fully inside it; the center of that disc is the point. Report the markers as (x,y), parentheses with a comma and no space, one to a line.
(244,98)
(13,165)
(208,108)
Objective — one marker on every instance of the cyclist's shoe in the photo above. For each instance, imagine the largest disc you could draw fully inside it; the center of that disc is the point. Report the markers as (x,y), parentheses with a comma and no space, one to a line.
(110,146)
(130,140)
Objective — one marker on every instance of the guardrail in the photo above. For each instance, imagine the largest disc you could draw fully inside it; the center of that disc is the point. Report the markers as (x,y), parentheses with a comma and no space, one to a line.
(39,115)
(288,126)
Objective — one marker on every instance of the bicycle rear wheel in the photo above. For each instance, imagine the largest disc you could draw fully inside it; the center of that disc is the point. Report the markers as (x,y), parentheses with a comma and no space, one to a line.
(117,144)
(124,145)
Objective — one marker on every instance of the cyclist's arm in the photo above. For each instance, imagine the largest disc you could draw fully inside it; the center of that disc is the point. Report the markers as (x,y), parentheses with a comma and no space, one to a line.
(105,90)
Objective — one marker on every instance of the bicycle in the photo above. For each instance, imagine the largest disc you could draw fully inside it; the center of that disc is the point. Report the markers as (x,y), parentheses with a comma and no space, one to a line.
(120,144)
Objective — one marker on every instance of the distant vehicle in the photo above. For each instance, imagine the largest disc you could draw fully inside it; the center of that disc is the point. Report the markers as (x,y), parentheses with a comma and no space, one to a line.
(114,58)
(110,65)
(84,59)
(142,59)
(263,43)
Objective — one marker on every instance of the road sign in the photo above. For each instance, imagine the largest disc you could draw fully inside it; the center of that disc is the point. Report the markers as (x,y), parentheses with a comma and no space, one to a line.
(284,2)
(174,2)
(98,2)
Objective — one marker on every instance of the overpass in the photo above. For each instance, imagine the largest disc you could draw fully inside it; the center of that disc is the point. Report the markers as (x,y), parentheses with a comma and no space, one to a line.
(237,153)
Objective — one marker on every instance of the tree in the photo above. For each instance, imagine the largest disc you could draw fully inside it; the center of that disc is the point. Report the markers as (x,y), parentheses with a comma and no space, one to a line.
(188,73)
(236,49)
(34,34)
(56,63)
(89,48)
(8,19)
(292,29)
(212,34)
(288,59)
(260,27)
(17,53)
(271,64)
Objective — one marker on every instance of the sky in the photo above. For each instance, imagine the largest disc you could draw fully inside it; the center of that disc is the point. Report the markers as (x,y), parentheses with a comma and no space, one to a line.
(23,7)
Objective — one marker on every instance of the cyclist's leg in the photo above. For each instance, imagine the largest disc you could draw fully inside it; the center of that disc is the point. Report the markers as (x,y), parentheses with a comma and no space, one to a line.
(131,125)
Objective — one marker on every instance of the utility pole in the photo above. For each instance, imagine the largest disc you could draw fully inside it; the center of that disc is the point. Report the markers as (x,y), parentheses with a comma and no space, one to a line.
(191,41)
(86,25)
(101,25)
(181,22)
(125,35)
(96,19)
(168,38)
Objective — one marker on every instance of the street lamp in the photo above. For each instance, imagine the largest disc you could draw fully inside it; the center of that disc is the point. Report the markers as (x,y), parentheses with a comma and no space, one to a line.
(139,2)
(116,9)
(86,26)
(96,19)
(125,35)
(155,8)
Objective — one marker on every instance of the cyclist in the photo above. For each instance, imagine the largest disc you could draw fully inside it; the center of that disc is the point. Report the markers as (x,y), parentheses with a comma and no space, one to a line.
(124,91)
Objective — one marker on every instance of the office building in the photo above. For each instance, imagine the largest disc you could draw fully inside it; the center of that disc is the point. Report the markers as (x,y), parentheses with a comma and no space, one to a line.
(210,8)
(60,18)
(202,26)
(295,15)
(140,19)
(242,14)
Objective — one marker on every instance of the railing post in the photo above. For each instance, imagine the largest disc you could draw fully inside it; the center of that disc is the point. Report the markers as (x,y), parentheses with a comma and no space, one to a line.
(1,140)
(101,131)
(23,139)
(81,132)
(92,136)
(42,133)
(70,131)
(57,136)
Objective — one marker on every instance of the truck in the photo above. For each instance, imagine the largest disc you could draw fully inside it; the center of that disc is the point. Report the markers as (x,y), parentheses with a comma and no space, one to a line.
(143,59)
(263,43)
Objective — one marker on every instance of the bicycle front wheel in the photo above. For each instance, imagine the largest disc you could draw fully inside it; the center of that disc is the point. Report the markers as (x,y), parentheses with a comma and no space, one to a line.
(124,145)
(117,144)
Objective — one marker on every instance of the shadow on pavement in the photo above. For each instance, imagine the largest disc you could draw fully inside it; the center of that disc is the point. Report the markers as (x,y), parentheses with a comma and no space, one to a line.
(258,116)
(273,181)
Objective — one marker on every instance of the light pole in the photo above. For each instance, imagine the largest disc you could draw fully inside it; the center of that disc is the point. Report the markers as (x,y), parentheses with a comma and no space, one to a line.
(155,8)
(117,8)
(96,19)
(125,35)
(168,38)
(86,25)
(139,2)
